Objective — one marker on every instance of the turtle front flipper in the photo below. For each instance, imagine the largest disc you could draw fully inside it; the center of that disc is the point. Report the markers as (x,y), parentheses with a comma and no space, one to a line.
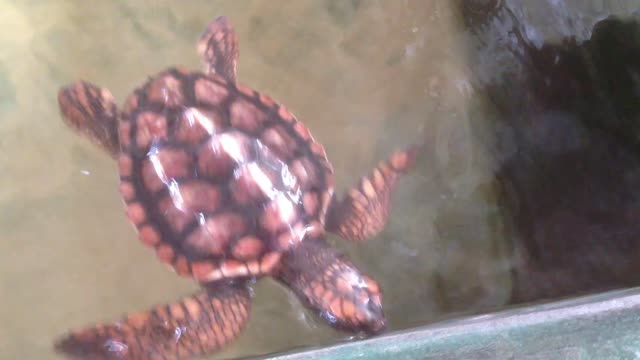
(92,112)
(218,48)
(196,325)
(329,284)
(364,210)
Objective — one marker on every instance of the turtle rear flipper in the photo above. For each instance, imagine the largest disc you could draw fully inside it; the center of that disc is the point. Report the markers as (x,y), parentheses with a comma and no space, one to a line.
(364,210)
(91,111)
(196,325)
(218,48)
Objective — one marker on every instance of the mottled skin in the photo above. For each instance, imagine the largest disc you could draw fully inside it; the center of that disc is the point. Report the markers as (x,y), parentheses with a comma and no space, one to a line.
(226,185)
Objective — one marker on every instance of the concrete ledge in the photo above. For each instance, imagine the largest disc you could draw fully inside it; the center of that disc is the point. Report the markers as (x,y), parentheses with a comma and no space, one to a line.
(603,326)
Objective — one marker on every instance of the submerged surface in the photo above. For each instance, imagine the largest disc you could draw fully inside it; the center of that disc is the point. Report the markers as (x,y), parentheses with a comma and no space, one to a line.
(366,77)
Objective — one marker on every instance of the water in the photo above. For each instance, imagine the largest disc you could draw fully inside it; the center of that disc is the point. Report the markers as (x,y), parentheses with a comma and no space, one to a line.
(365,76)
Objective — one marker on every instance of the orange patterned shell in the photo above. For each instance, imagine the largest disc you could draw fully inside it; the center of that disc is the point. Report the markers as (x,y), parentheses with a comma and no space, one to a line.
(217,178)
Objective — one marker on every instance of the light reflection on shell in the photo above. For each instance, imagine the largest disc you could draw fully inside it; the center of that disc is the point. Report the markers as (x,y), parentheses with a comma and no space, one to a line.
(225,180)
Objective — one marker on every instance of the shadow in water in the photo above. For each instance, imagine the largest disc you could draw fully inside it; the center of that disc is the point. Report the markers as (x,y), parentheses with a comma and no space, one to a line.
(567,138)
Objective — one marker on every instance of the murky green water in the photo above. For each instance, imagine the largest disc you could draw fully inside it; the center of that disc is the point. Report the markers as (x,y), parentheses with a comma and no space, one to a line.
(365,76)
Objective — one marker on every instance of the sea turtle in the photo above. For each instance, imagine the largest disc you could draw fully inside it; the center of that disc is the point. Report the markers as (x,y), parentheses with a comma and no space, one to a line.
(227,186)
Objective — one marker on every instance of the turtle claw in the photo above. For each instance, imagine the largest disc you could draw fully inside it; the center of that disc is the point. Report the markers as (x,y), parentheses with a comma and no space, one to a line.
(218,48)
(364,211)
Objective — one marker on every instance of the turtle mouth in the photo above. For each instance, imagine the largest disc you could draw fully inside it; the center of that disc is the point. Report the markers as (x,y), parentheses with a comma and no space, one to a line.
(376,322)
(375,327)
(372,321)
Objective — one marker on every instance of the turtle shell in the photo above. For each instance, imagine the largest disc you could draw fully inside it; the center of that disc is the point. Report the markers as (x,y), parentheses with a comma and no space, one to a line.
(219,179)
